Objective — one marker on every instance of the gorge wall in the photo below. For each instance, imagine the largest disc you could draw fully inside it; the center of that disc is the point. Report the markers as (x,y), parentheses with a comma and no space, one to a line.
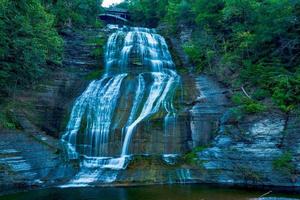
(215,147)
(259,150)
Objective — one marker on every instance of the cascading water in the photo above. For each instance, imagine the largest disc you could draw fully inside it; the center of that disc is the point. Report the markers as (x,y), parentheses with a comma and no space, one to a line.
(139,82)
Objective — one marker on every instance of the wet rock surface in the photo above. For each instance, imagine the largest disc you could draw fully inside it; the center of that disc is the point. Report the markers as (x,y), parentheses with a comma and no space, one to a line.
(31,158)
(239,152)
(209,107)
(245,153)
(175,44)
(28,163)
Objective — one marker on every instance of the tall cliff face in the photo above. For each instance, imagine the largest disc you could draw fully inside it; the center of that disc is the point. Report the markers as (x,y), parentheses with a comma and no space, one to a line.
(47,105)
(30,158)
(259,149)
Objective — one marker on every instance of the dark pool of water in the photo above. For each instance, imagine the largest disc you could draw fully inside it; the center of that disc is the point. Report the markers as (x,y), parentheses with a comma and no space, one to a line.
(173,192)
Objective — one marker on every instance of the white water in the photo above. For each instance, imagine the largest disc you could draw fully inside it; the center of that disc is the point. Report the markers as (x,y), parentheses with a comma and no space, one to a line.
(133,55)
(184,175)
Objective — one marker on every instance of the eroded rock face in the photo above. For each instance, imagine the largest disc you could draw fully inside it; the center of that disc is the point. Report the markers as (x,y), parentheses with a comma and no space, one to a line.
(209,107)
(240,151)
(29,158)
(180,58)
(27,163)
(291,140)
(245,153)
(201,106)
(52,99)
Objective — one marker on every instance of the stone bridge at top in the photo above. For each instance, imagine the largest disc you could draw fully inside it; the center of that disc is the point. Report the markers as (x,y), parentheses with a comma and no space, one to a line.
(115,16)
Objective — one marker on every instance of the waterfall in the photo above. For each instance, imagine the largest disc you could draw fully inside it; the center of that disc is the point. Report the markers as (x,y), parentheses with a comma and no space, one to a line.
(139,81)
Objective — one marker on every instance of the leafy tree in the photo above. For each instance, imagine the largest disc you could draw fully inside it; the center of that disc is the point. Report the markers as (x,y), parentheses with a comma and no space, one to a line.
(28,42)
(208,12)
(147,12)
(74,12)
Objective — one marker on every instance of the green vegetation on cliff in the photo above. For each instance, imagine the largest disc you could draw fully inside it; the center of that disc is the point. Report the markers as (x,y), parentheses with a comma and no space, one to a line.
(284,164)
(30,43)
(252,44)
(76,13)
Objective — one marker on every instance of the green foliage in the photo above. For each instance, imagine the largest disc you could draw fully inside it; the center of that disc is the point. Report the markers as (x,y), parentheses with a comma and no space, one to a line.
(235,114)
(28,42)
(279,83)
(94,75)
(7,120)
(284,164)
(286,91)
(254,107)
(192,158)
(260,94)
(248,105)
(258,40)
(208,13)
(75,13)
(182,70)
(179,12)
(99,43)
(194,55)
(147,12)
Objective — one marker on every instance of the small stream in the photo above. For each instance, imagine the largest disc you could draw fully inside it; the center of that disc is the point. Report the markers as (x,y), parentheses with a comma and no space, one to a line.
(160,192)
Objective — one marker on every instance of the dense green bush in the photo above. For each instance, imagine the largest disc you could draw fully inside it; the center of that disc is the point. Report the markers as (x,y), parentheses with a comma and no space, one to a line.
(194,55)
(284,164)
(191,157)
(145,12)
(74,13)
(7,120)
(248,105)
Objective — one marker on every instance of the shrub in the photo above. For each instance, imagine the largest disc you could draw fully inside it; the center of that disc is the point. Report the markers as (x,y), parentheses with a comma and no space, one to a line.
(284,163)
(194,55)
(276,82)
(261,94)
(254,107)
(94,75)
(77,13)
(248,105)
(7,120)
(191,157)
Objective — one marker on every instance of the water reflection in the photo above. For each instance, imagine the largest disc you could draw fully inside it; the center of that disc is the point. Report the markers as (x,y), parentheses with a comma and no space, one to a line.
(171,192)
